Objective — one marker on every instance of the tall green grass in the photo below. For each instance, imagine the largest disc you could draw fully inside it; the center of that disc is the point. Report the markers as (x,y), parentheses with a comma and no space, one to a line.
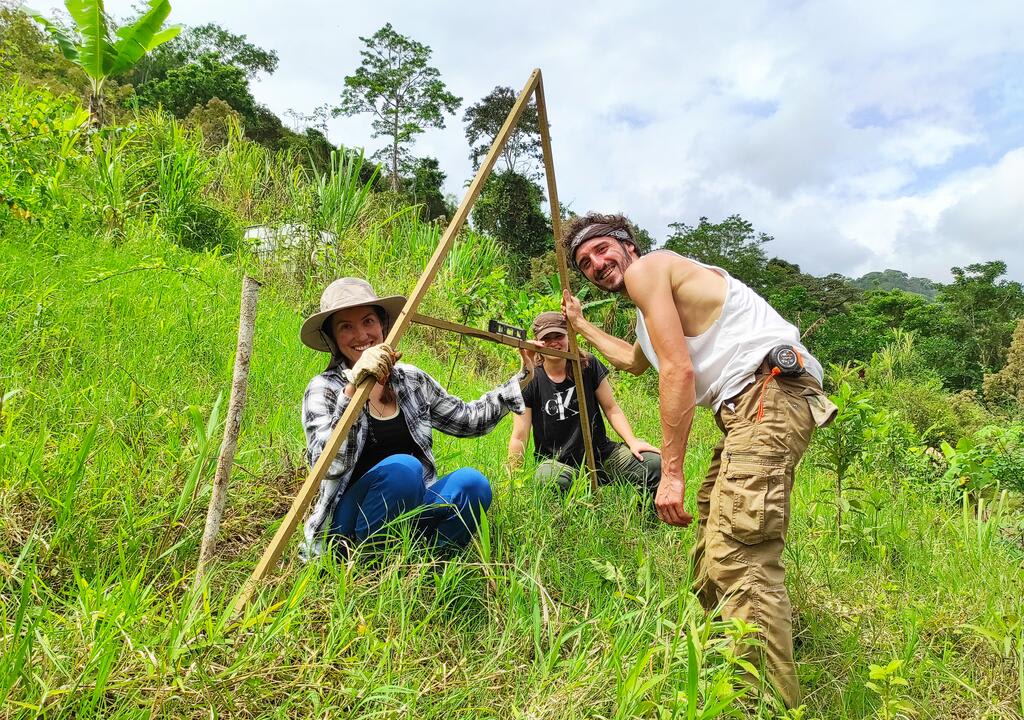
(566,607)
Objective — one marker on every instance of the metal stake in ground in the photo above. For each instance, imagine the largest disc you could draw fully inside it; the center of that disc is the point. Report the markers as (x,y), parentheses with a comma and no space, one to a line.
(239,387)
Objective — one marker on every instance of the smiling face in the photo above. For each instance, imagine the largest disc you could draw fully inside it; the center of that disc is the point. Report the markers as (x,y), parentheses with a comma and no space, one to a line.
(356,329)
(603,260)
(555,341)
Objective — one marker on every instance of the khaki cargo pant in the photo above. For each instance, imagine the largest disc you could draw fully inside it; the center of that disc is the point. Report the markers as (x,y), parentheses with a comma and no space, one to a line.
(743,515)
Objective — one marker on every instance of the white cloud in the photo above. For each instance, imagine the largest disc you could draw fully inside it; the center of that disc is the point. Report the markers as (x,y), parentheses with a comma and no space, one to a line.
(988,215)
(925,145)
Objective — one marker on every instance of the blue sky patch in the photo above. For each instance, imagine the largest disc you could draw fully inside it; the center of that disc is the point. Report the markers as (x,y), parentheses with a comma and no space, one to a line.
(758,108)
(869,116)
(631,116)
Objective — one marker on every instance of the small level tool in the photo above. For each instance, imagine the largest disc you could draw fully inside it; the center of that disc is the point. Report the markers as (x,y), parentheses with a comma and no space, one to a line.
(495,326)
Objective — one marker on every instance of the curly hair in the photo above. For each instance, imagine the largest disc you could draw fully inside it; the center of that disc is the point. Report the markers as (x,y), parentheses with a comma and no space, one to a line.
(594,225)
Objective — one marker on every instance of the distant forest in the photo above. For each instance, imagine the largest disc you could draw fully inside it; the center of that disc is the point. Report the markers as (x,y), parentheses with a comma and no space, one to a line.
(897,280)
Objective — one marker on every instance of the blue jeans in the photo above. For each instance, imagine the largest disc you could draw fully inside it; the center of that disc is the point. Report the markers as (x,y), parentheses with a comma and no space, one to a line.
(450,511)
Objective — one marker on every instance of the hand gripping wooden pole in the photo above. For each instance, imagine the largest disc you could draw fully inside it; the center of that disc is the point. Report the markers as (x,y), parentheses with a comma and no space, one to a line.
(400,324)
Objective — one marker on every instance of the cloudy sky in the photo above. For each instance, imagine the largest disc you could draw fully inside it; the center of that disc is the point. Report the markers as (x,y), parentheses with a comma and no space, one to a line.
(861,135)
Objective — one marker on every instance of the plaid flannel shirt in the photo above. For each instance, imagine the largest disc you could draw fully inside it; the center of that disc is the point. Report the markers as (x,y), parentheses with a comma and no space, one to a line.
(425,405)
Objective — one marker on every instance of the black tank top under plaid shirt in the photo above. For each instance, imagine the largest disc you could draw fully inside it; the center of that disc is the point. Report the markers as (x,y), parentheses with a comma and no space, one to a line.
(386,438)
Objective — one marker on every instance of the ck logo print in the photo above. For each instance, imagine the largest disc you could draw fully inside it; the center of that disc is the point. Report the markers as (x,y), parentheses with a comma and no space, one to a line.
(559,405)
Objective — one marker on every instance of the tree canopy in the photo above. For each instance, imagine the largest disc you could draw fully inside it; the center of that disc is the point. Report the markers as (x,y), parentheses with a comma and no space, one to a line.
(896,280)
(397,86)
(485,119)
(196,43)
(196,83)
(731,244)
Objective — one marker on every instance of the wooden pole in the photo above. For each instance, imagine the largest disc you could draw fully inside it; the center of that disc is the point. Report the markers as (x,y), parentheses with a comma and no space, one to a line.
(239,387)
(399,325)
(563,275)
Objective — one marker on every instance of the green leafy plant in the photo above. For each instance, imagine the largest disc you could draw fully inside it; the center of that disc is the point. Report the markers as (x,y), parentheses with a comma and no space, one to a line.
(39,145)
(92,46)
(341,194)
(843,442)
(183,174)
(117,185)
(889,437)
(992,457)
(889,684)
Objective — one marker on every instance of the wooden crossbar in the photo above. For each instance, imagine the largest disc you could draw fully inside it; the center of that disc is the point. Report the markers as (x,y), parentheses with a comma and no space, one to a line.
(440,324)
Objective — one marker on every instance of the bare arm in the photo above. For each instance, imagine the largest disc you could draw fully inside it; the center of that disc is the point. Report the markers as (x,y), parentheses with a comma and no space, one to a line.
(649,284)
(618,421)
(618,352)
(612,411)
(520,436)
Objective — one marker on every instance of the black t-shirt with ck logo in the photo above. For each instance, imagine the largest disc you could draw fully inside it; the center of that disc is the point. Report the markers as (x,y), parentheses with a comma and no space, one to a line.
(556,409)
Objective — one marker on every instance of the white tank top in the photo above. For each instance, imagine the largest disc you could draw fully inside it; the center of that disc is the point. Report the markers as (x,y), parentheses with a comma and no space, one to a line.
(726,355)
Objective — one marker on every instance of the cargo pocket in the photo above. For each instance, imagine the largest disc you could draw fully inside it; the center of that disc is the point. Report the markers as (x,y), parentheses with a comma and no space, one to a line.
(752,499)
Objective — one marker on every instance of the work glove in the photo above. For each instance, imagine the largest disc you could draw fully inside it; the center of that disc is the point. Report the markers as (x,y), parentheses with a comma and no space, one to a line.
(375,362)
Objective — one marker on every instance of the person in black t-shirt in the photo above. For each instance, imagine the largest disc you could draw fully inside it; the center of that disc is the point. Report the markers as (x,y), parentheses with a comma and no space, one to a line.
(552,413)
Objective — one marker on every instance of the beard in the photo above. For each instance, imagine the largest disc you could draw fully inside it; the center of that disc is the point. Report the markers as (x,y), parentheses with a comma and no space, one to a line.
(614,287)
(616,283)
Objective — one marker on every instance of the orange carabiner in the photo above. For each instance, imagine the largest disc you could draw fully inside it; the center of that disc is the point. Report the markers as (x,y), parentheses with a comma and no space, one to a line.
(764,386)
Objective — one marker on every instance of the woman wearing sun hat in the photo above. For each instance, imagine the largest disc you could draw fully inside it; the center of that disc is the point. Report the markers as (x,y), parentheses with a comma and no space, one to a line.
(385,466)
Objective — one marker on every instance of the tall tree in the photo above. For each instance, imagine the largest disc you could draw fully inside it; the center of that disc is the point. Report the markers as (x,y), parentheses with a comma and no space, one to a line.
(731,244)
(404,94)
(426,188)
(509,208)
(195,43)
(92,47)
(484,121)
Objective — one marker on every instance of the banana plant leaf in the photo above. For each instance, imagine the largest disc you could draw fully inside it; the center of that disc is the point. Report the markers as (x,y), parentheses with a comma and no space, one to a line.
(143,35)
(66,44)
(96,54)
(94,50)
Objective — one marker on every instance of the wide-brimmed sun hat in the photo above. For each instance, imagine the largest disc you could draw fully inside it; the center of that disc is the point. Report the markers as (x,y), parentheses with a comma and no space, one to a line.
(341,294)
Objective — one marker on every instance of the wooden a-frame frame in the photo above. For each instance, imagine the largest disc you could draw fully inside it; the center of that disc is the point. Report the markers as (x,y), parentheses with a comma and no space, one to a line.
(534,87)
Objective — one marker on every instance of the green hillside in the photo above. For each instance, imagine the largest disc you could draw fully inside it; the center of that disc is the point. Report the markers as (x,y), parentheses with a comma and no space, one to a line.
(896,280)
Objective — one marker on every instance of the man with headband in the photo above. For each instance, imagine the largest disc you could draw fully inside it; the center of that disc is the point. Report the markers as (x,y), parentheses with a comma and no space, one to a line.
(718,344)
